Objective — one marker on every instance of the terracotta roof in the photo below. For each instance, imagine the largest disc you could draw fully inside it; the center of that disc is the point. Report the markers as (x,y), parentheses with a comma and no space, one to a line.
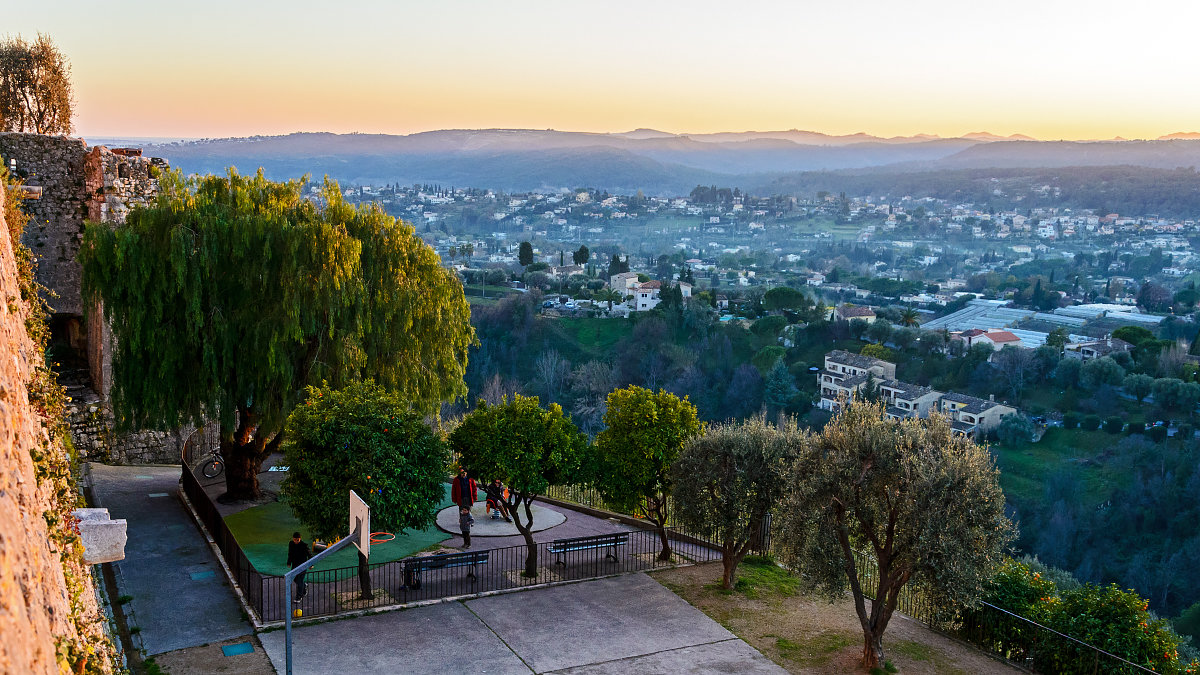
(852,312)
(974,332)
(1002,336)
(651,284)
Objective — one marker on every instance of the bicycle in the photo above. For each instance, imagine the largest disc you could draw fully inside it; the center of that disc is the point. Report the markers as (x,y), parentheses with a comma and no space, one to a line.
(214,466)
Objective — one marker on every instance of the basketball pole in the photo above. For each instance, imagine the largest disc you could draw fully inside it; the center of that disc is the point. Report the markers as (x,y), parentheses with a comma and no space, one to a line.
(290,577)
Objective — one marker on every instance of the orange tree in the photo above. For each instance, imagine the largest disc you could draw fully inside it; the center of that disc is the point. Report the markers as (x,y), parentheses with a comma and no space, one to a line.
(631,464)
(907,497)
(228,295)
(529,448)
(365,439)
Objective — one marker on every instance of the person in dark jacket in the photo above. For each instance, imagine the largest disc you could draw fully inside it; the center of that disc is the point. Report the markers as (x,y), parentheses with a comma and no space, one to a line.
(464,524)
(496,500)
(463,491)
(298,554)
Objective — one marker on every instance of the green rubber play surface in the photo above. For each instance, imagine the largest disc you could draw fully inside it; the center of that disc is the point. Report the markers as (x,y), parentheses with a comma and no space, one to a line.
(264,531)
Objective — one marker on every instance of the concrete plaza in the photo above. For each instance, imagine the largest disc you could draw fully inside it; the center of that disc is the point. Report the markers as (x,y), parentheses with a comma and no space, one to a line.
(625,624)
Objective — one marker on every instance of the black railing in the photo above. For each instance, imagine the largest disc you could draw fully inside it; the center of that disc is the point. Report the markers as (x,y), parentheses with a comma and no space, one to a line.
(339,590)
(244,574)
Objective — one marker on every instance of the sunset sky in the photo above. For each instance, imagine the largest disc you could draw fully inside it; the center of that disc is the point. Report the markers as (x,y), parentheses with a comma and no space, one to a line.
(1049,69)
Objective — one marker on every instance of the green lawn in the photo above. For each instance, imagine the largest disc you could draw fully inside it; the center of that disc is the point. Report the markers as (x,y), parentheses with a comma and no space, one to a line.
(263,533)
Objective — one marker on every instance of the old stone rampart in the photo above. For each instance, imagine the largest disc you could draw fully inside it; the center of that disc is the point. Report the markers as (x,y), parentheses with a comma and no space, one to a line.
(50,620)
(81,184)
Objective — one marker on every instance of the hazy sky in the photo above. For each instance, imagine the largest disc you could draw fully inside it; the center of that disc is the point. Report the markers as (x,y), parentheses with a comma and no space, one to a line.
(1050,69)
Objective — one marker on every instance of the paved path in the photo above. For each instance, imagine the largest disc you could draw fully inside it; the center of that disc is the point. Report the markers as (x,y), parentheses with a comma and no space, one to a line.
(627,624)
(181,597)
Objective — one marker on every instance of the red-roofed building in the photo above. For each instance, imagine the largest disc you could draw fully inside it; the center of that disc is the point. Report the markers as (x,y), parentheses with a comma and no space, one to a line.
(645,295)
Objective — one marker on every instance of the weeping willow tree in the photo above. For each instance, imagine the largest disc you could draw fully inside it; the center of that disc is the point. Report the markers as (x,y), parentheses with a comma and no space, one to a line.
(229,295)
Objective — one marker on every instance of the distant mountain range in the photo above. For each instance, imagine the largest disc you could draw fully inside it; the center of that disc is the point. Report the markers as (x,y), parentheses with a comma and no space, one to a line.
(654,161)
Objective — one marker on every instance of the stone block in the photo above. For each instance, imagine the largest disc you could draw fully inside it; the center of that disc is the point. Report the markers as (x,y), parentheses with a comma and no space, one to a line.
(103,538)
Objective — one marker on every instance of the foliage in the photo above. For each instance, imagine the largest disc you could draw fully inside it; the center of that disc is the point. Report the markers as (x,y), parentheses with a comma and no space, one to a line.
(879,331)
(1014,429)
(727,481)
(525,254)
(644,435)
(767,357)
(1114,424)
(1138,385)
(229,294)
(529,448)
(879,352)
(785,297)
(780,387)
(923,505)
(365,439)
(768,327)
(1070,420)
(1101,371)
(1134,335)
(1090,422)
(1114,620)
(35,87)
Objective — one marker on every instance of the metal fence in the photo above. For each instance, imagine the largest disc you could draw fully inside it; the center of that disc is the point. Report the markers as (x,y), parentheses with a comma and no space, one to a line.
(339,590)
(247,578)
(336,591)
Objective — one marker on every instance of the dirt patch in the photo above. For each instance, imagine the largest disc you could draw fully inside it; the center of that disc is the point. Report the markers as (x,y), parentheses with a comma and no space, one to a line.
(210,659)
(812,636)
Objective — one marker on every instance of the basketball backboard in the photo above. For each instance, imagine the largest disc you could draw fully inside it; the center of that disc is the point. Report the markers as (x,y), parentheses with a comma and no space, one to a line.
(360,520)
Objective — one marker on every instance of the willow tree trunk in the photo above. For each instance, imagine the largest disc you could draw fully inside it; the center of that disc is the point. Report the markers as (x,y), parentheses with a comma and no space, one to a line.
(242,464)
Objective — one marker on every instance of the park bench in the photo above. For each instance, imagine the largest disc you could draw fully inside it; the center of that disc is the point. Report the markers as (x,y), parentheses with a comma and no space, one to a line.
(561,547)
(415,566)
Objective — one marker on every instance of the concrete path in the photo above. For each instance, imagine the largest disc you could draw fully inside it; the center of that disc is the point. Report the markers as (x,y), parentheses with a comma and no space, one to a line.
(180,595)
(617,625)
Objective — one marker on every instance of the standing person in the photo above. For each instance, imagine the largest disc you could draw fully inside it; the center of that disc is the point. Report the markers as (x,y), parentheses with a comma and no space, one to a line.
(496,502)
(298,554)
(463,492)
(464,524)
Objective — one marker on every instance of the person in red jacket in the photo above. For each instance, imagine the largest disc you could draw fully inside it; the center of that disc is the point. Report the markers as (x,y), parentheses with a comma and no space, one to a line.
(463,491)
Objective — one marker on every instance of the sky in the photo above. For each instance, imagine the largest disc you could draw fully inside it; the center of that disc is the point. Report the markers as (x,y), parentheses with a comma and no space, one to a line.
(1047,68)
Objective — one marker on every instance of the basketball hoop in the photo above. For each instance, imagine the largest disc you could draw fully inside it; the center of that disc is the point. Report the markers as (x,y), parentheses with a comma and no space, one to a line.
(381,537)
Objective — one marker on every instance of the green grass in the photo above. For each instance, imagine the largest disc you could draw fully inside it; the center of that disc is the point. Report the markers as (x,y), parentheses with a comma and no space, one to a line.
(759,577)
(1024,469)
(914,650)
(263,533)
(814,651)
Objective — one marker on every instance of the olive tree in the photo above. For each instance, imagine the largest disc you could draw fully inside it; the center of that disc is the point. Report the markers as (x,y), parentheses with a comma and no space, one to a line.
(908,498)
(35,86)
(631,464)
(730,479)
(527,447)
(365,439)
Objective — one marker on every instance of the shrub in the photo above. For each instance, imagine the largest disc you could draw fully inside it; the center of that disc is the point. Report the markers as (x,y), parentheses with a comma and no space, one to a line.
(1135,428)
(1114,424)
(1186,431)
(1071,420)
(1114,620)
(879,352)
(1090,423)
(1157,434)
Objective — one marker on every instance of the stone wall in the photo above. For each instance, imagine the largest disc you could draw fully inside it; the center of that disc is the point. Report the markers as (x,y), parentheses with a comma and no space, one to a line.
(40,620)
(91,421)
(81,184)
(55,230)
